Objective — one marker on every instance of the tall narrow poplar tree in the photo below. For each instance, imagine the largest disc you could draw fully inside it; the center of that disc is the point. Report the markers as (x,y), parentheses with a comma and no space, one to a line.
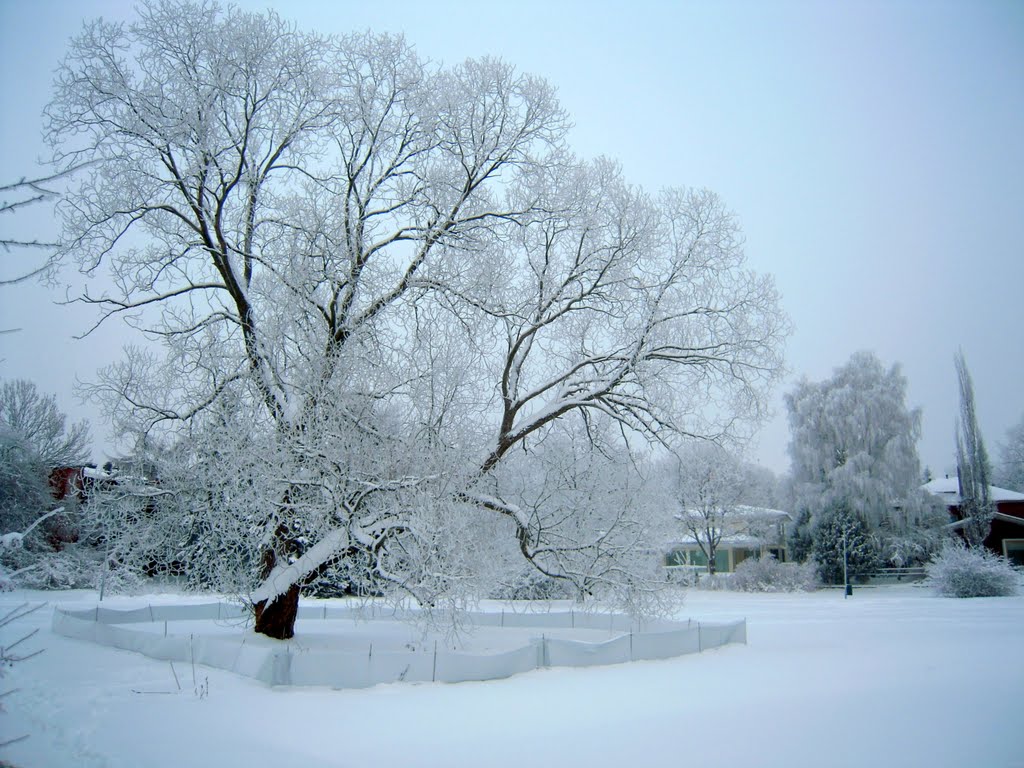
(972,466)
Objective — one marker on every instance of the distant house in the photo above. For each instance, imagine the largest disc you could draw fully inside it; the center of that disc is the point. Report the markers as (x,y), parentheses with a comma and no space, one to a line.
(1006,536)
(747,531)
(67,482)
(69,488)
(76,483)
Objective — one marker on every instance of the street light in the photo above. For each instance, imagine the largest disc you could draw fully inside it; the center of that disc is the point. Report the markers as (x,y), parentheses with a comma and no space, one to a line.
(846,566)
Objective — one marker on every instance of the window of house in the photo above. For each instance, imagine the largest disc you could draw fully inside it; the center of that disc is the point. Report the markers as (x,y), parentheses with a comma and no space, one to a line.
(1014,550)
(676,557)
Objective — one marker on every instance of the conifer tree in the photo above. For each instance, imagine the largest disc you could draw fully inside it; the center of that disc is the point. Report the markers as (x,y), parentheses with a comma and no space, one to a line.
(841,534)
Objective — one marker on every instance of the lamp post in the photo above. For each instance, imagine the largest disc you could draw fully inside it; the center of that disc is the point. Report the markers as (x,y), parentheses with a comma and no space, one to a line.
(846,566)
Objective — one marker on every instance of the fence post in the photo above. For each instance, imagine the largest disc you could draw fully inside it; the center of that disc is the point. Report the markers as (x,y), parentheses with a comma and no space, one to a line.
(282,668)
(175,674)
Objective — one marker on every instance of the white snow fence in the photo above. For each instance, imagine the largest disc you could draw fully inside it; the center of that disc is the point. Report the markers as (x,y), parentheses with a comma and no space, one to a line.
(293,663)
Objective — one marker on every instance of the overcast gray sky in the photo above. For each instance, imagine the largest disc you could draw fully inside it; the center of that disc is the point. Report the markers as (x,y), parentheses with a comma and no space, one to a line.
(873,152)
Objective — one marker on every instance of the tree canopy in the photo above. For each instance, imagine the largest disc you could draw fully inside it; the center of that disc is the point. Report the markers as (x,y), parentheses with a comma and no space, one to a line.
(396,277)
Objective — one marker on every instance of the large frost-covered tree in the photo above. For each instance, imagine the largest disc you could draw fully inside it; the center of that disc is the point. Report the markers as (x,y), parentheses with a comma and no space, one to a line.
(854,446)
(379,284)
(972,465)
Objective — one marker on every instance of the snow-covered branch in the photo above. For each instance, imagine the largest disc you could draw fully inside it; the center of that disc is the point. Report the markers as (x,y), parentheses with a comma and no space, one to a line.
(376,282)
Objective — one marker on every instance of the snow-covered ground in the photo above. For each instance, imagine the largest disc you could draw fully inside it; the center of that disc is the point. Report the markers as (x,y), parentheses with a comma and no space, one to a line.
(890,677)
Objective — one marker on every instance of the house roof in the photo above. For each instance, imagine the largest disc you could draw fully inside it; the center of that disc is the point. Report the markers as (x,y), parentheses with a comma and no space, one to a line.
(958,524)
(740,525)
(735,541)
(948,489)
(750,513)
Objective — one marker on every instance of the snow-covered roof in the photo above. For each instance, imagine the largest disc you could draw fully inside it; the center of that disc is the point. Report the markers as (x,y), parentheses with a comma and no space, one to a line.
(739,526)
(96,474)
(748,512)
(948,489)
(736,541)
(956,525)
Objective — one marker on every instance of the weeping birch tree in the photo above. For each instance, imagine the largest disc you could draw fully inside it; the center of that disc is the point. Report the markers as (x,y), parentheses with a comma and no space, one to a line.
(379,284)
(854,452)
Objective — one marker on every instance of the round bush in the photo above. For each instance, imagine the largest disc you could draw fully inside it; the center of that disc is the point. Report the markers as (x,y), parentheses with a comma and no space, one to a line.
(532,585)
(769,575)
(959,571)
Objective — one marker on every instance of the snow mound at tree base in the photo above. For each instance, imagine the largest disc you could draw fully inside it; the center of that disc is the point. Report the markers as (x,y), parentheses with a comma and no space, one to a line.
(346,647)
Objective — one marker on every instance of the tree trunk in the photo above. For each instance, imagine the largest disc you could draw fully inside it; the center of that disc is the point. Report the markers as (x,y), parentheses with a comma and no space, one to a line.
(276,618)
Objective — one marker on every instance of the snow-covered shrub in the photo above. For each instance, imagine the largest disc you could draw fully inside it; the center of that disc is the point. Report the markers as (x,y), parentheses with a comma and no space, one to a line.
(769,575)
(683,575)
(714,581)
(73,567)
(532,585)
(351,575)
(122,580)
(961,571)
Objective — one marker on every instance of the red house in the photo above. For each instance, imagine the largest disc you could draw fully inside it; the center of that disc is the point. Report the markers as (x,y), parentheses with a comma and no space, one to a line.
(67,482)
(1006,537)
(67,485)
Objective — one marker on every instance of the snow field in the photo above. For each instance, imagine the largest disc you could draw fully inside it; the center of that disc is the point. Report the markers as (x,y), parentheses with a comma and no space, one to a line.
(890,676)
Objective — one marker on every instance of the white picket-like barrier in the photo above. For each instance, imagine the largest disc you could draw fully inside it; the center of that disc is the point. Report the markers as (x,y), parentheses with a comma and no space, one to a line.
(293,663)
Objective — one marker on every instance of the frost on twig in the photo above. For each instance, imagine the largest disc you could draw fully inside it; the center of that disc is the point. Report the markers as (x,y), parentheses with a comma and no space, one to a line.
(15,652)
